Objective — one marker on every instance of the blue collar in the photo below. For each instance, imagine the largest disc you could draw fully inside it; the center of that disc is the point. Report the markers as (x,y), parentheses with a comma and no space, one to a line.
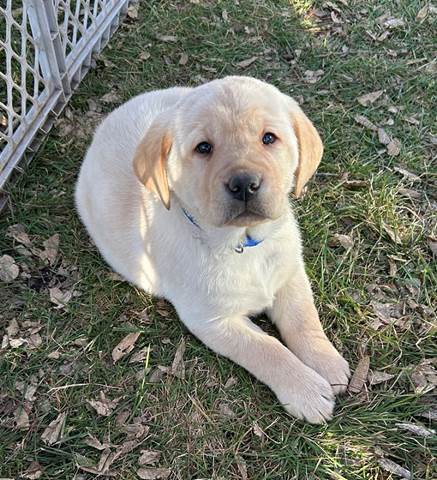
(247,242)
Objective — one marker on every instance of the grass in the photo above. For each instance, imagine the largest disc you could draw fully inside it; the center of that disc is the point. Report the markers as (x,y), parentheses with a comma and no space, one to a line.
(204,425)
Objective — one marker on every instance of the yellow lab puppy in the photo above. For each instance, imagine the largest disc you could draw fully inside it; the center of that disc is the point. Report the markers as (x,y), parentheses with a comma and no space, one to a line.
(185,193)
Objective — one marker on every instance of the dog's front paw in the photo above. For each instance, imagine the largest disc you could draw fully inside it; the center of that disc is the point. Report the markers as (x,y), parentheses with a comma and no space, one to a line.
(309,397)
(326,361)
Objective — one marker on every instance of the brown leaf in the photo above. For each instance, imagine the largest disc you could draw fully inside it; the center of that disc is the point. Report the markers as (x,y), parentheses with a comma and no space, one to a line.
(110,97)
(18,233)
(148,473)
(167,38)
(344,240)
(392,467)
(125,346)
(386,311)
(247,63)
(52,433)
(139,356)
(21,419)
(13,328)
(226,410)
(369,98)
(144,56)
(149,457)
(393,22)
(424,377)
(8,269)
(418,430)
(383,137)
(158,374)
(394,148)
(394,236)
(184,59)
(60,298)
(257,430)
(104,406)
(29,395)
(178,366)
(33,472)
(365,122)
(51,247)
(408,192)
(230,382)
(376,377)
(422,13)
(95,443)
(313,76)
(359,377)
(132,12)
(432,244)
(136,430)
(406,174)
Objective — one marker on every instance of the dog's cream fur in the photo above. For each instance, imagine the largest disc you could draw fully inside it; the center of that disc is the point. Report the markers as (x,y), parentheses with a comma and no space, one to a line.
(142,169)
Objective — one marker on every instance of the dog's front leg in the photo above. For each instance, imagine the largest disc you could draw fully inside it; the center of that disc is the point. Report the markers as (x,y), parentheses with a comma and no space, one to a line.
(302,391)
(296,317)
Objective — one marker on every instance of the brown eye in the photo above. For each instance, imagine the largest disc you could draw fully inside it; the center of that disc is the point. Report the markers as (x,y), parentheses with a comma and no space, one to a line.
(204,148)
(269,138)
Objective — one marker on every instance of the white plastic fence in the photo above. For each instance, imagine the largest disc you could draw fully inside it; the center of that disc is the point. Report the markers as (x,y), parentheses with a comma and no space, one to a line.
(46,48)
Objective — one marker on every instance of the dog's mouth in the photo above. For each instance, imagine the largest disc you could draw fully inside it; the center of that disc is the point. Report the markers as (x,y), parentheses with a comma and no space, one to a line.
(246,218)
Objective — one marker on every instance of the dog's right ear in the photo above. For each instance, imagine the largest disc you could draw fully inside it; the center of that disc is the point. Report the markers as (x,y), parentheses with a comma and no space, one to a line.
(150,161)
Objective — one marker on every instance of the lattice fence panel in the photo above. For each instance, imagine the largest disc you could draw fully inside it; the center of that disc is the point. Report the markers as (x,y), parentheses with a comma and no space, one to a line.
(46,47)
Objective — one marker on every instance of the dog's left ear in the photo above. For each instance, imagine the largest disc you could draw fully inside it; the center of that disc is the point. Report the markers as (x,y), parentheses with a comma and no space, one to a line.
(310,148)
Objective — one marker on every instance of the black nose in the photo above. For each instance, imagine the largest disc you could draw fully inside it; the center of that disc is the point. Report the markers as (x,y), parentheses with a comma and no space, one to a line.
(243,186)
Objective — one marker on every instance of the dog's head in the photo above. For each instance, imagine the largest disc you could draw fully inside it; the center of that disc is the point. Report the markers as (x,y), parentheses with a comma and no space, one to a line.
(231,150)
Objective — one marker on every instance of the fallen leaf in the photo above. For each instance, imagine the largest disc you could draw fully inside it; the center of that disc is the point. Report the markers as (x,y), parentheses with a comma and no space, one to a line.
(104,406)
(8,269)
(158,374)
(394,148)
(30,393)
(432,244)
(17,342)
(369,98)
(132,12)
(383,137)
(418,430)
(21,418)
(422,13)
(110,97)
(153,473)
(60,298)
(359,376)
(13,328)
(18,233)
(95,443)
(178,367)
(242,468)
(391,233)
(424,377)
(166,38)
(51,247)
(386,311)
(344,240)
(230,382)
(148,457)
(313,76)
(376,377)
(257,430)
(136,430)
(52,433)
(392,467)
(365,122)
(408,192)
(246,63)
(33,472)
(125,346)
(393,22)
(226,410)
(144,56)
(406,174)
(183,60)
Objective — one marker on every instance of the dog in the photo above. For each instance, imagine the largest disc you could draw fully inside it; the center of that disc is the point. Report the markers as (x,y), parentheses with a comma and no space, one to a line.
(185,192)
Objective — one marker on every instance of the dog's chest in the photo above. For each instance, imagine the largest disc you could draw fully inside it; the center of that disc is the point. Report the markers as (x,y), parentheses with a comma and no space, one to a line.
(247,282)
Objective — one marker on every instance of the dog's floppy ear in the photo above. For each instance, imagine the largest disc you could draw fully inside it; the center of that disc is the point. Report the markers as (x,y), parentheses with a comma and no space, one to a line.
(310,148)
(150,161)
